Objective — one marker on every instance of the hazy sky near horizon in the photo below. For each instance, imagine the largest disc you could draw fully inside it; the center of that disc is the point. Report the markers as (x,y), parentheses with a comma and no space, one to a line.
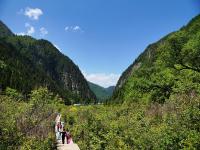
(103,37)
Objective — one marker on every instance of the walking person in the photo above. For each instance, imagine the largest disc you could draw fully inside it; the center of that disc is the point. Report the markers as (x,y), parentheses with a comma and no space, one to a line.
(69,137)
(59,126)
(63,136)
(57,120)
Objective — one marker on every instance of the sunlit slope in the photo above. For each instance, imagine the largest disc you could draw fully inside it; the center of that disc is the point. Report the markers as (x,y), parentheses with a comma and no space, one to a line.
(166,67)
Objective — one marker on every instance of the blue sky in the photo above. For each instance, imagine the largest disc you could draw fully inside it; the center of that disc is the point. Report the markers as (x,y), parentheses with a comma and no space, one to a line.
(103,37)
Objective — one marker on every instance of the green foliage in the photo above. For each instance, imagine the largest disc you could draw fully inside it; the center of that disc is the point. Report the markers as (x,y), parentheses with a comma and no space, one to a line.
(172,125)
(40,97)
(2,65)
(27,125)
(13,94)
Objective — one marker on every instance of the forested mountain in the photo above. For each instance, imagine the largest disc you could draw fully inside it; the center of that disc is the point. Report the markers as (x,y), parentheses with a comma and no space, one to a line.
(101,92)
(110,90)
(27,63)
(168,67)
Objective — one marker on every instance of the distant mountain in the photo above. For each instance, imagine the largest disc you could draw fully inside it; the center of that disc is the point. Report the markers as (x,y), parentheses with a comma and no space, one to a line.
(165,68)
(110,90)
(101,92)
(27,63)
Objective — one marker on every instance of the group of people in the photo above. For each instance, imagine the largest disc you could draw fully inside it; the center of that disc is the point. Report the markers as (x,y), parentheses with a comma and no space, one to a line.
(62,133)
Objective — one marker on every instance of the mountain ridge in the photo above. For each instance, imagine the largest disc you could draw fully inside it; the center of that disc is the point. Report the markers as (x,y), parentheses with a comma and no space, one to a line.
(47,66)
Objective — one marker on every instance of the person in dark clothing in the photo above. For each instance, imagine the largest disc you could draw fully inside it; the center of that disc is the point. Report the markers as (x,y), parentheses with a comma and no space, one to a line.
(63,136)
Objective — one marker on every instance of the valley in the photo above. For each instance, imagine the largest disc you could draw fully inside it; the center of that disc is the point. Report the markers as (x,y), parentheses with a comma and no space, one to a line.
(155,104)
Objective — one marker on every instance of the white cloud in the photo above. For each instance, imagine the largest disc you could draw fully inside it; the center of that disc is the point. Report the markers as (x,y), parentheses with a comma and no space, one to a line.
(32,13)
(29,30)
(67,28)
(102,79)
(76,28)
(43,31)
(73,28)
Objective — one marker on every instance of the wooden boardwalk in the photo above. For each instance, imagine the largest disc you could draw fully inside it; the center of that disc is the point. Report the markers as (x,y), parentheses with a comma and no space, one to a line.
(61,146)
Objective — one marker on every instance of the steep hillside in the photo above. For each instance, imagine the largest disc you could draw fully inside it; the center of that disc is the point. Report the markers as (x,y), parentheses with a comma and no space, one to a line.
(165,68)
(27,63)
(101,92)
(4,30)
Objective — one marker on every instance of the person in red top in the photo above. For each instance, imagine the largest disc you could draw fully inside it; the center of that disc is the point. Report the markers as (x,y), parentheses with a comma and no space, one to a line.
(59,127)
